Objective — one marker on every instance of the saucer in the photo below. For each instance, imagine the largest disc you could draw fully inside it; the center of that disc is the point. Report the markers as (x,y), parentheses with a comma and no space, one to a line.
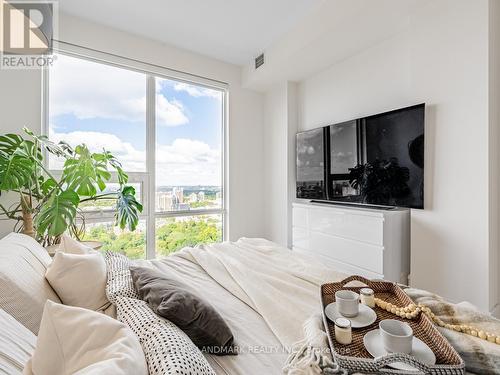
(373,343)
(365,317)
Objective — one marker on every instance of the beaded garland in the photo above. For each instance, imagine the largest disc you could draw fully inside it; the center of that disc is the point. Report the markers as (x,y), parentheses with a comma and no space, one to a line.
(412,311)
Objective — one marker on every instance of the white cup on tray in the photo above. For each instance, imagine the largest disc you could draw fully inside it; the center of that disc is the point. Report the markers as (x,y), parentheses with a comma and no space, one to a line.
(347,303)
(397,336)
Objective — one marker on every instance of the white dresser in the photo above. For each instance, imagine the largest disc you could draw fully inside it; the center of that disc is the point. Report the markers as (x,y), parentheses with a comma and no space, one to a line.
(367,242)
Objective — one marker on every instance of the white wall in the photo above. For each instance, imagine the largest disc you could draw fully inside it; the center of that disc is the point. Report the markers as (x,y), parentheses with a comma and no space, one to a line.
(494,107)
(20,94)
(280,126)
(441,60)
(293,125)
(20,106)
(275,156)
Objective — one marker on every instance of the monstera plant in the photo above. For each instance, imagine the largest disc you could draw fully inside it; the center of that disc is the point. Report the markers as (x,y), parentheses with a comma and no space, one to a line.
(381,181)
(48,204)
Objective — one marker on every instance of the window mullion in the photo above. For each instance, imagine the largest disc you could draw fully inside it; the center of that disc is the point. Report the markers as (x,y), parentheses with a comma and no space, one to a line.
(214,211)
(151,164)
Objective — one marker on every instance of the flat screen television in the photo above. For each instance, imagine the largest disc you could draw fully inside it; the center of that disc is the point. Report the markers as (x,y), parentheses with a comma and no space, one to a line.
(376,160)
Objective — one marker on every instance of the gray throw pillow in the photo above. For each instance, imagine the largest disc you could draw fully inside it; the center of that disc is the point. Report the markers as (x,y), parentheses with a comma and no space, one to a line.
(179,303)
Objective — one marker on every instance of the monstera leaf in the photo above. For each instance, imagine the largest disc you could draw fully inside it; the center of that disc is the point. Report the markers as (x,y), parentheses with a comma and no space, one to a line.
(106,157)
(47,185)
(29,150)
(9,143)
(61,149)
(57,214)
(128,209)
(15,171)
(85,172)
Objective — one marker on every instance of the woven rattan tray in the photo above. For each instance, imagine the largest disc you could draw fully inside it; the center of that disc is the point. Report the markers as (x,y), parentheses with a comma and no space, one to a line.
(354,357)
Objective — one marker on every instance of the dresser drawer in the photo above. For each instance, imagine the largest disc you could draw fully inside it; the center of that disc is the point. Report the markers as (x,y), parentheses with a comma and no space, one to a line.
(337,266)
(300,237)
(300,217)
(368,242)
(362,228)
(360,254)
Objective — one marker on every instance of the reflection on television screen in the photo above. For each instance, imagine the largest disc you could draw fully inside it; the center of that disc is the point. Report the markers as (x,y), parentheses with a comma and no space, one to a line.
(376,160)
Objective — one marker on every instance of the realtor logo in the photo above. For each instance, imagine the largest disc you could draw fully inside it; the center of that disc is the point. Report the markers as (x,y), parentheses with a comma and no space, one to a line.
(27,33)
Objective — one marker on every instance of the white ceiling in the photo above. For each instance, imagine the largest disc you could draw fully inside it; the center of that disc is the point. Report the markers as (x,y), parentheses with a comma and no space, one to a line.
(234,31)
(328,34)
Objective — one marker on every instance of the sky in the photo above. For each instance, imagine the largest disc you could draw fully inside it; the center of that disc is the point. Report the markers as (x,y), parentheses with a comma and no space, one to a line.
(105,107)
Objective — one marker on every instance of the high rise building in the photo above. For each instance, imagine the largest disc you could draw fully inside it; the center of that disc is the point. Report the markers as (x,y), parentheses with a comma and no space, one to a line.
(164,201)
(179,193)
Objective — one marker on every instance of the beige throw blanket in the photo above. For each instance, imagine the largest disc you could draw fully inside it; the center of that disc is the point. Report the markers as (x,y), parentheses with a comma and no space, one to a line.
(480,356)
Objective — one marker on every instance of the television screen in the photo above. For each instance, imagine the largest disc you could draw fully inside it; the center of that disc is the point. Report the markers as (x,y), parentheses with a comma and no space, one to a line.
(375,160)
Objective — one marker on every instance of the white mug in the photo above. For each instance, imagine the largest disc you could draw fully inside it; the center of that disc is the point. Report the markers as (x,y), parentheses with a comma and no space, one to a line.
(347,303)
(397,336)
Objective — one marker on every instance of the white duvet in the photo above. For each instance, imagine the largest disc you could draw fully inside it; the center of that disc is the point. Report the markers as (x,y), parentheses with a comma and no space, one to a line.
(283,287)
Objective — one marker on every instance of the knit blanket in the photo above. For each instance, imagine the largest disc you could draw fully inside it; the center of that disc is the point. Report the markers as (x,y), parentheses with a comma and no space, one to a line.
(311,355)
(480,356)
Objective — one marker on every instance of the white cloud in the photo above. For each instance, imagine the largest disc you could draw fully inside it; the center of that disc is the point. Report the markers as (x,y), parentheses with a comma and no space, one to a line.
(170,113)
(188,162)
(131,158)
(90,90)
(184,162)
(197,91)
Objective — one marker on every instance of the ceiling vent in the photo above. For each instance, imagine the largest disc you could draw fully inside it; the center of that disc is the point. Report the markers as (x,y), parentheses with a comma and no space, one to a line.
(259,61)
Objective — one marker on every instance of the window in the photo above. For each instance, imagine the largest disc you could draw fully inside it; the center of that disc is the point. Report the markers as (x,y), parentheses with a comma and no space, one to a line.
(175,233)
(167,133)
(101,106)
(132,244)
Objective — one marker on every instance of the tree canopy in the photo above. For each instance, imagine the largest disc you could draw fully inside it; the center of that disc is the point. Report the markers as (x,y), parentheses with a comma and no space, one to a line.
(171,235)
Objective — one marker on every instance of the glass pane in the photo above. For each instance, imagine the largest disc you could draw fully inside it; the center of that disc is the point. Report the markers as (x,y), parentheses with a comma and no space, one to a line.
(188,146)
(344,148)
(174,233)
(99,105)
(131,244)
(310,165)
(109,204)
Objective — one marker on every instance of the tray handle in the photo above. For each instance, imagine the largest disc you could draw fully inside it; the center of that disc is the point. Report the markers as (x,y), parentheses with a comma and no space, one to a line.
(405,358)
(362,279)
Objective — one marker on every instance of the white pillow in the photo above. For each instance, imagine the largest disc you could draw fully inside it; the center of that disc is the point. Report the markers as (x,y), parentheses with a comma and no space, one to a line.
(17,344)
(71,246)
(74,340)
(23,287)
(79,279)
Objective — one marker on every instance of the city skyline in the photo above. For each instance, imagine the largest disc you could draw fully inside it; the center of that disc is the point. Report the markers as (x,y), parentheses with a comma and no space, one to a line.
(176,200)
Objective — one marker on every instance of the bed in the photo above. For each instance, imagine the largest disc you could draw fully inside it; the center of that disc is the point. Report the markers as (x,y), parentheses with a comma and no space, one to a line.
(263,291)
(249,282)
(266,293)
